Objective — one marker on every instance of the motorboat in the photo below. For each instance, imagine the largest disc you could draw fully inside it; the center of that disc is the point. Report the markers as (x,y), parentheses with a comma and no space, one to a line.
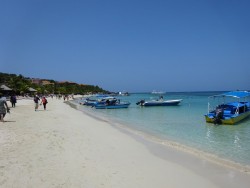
(158,92)
(159,102)
(92,101)
(105,100)
(228,108)
(89,102)
(114,104)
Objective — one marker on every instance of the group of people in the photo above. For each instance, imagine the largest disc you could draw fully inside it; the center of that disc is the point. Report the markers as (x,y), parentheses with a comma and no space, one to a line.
(43,102)
(4,108)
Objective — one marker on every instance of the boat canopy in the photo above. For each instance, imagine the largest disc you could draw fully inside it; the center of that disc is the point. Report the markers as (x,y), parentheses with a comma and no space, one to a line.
(236,94)
(237,104)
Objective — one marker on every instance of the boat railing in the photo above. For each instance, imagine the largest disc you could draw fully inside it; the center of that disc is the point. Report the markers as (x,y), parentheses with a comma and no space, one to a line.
(208,107)
(237,109)
(211,107)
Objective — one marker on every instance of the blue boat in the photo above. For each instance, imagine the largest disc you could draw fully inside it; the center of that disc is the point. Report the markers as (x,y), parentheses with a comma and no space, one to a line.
(93,100)
(89,101)
(228,108)
(114,104)
(104,100)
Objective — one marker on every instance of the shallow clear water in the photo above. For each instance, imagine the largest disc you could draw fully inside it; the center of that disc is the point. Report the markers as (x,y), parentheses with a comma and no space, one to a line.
(185,124)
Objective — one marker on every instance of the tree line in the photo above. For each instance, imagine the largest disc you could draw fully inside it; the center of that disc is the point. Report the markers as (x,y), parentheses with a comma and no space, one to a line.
(20,85)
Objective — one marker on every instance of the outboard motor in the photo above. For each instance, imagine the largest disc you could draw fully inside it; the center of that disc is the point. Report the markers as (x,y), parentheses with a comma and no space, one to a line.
(141,102)
(218,116)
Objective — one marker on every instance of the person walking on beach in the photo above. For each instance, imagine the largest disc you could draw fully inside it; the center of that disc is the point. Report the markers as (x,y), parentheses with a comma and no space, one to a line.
(44,102)
(13,101)
(36,100)
(3,108)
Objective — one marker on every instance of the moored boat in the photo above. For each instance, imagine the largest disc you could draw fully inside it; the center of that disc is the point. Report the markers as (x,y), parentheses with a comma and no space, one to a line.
(112,104)
(231,112)
(158,92)
(89,102)
(105,100)
(159,102)
(92,101)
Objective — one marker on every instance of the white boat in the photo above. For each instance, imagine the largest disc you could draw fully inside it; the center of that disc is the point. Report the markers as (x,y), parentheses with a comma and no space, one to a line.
(123,93)
(159,102)
(158,92)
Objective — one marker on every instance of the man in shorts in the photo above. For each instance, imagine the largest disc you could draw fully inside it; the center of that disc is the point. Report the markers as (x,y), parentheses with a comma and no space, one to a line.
(36,100)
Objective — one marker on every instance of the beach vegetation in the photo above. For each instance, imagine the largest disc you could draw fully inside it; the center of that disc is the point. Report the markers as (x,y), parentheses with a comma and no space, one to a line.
(21,84)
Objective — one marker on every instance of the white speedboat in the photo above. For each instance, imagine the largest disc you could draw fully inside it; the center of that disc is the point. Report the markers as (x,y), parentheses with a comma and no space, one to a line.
(160,102)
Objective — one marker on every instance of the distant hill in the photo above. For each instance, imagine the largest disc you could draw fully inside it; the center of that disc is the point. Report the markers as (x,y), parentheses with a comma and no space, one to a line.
(20,85)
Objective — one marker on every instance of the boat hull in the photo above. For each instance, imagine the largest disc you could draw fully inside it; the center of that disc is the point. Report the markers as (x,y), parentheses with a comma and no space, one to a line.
(162,103)
(89,103)
(229,121)
(116,106)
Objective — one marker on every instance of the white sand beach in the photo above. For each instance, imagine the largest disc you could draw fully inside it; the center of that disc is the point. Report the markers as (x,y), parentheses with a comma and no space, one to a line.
(65,148)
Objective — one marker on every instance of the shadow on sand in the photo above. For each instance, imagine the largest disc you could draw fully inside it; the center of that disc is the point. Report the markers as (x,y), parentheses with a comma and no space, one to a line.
(6,121)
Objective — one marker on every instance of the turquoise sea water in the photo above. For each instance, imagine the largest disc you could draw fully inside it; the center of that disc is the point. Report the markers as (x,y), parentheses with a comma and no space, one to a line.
(184,124)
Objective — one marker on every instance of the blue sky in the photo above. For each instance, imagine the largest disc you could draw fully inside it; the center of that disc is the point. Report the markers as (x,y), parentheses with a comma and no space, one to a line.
(129,45)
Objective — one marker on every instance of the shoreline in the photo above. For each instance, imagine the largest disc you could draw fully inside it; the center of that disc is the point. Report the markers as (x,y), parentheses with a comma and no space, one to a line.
(167,143)
(64,147)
